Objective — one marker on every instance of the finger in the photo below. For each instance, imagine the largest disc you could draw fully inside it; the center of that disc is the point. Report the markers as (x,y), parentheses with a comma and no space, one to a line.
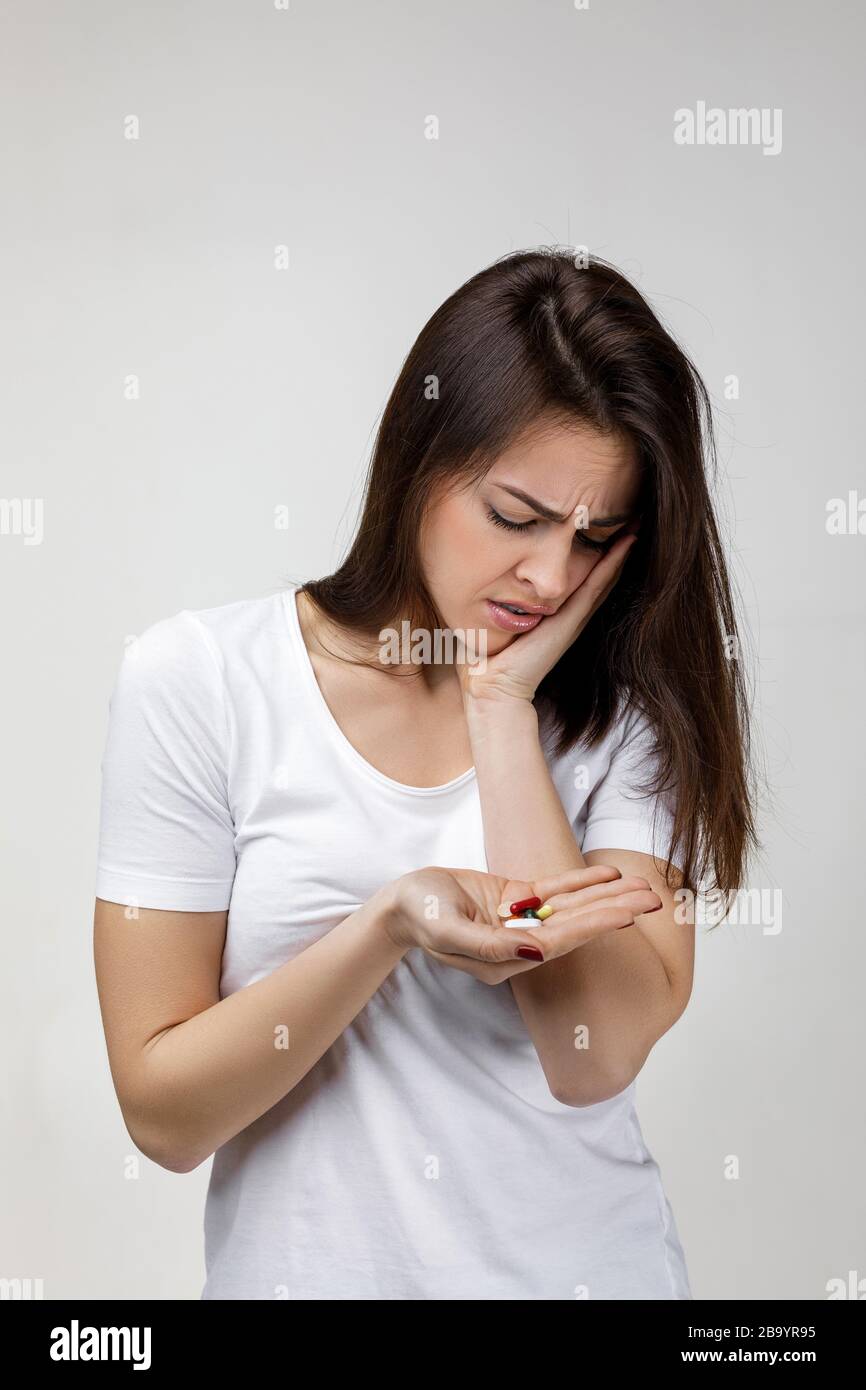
(572,902)
(491,944)
(516,890)
(576,929)
(591,593)
(488,974)
(622,545)
(604,575)
(566,930)
(639,900)
(580,881)
(571,880)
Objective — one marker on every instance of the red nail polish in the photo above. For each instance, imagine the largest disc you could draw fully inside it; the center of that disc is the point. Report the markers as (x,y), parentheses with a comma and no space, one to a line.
(530,953)
(524,903)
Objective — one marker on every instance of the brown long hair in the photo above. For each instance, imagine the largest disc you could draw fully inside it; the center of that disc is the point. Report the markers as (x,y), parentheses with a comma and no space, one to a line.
(543,334)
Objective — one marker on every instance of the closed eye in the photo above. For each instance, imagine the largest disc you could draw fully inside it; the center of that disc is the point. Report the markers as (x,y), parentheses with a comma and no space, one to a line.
(580,536)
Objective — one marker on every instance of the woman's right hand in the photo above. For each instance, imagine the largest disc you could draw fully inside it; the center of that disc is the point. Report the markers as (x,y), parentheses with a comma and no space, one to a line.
(452,915)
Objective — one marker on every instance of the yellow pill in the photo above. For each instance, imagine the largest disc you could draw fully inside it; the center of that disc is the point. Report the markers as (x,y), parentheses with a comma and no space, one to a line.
(543,912)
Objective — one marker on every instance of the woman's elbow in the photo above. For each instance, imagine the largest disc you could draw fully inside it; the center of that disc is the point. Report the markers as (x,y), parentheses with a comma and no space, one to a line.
(159,1142)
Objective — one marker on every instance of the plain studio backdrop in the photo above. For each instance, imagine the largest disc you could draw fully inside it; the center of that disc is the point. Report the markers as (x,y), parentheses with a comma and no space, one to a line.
(223,226)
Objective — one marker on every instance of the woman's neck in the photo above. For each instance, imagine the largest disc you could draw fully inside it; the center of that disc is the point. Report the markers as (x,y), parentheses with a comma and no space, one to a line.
(326,638)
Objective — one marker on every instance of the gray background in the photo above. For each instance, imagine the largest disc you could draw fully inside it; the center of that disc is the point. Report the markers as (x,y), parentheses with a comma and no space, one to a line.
(261,388)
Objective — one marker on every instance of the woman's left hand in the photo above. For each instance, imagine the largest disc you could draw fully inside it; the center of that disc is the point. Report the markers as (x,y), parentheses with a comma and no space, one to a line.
(517,671)
(586,903)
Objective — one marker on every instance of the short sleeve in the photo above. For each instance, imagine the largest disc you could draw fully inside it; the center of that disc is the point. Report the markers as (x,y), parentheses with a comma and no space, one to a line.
(166,836)
(620,815)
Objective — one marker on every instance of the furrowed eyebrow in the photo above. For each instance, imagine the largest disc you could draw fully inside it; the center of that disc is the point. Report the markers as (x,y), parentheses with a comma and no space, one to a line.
(602,521)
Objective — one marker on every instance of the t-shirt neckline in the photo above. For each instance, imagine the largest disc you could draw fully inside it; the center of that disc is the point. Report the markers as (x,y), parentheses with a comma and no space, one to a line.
(330,724)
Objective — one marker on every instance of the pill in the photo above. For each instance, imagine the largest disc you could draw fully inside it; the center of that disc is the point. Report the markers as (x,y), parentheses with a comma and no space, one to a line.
(544,912)
(530,912)
(524,903)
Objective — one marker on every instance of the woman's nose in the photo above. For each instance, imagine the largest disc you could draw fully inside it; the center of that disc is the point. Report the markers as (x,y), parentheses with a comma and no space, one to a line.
(552,578)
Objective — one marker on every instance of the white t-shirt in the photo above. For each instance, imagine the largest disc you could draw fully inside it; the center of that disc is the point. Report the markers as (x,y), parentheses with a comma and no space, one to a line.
(423,1156)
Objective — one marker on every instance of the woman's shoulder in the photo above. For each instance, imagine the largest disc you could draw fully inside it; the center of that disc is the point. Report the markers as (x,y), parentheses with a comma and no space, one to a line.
(629,724)
(231,622)
(196,647)
(226,627)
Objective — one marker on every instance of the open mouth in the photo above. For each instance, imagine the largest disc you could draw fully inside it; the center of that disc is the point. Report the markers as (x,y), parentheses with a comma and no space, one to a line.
(510,617)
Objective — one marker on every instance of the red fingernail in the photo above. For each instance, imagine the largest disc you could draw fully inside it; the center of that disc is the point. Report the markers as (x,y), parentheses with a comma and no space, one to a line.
(525,903)
(530,953)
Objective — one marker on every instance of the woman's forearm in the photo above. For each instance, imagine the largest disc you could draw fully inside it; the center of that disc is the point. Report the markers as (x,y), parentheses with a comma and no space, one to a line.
(614,990)
(207,1078)
(526,831)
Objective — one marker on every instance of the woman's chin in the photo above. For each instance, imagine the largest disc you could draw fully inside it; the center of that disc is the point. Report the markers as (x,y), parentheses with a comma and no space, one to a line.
(497,640)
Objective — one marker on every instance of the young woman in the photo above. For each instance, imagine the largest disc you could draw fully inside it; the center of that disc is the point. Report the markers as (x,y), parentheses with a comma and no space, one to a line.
(313,827)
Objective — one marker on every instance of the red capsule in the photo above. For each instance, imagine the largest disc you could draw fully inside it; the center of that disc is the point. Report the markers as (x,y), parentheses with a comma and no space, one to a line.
(526,902)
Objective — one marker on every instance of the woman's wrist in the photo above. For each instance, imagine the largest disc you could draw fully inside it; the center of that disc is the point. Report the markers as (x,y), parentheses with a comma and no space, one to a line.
(490,707)
(388,918)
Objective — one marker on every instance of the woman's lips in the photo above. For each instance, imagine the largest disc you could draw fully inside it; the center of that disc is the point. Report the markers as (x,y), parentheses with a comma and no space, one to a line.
(511,622)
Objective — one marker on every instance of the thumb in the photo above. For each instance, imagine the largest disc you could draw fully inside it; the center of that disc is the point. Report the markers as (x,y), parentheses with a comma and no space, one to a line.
(516,891)
(493,944)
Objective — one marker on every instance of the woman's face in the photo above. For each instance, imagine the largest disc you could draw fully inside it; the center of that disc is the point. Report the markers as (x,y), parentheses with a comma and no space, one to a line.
(469,558)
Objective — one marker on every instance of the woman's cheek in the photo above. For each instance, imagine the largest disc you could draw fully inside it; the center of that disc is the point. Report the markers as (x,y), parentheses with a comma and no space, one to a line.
(585,566)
